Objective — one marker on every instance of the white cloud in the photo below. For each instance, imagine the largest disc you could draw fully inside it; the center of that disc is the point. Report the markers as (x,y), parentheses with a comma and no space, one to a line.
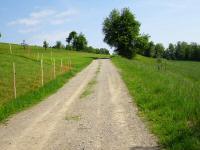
(25,21)
(62,17)
(43,18)
(35,18)
(58,21)
(42,14)
(67,13)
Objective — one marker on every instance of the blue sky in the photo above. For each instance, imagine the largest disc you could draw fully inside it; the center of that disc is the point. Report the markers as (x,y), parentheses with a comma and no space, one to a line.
(38,20)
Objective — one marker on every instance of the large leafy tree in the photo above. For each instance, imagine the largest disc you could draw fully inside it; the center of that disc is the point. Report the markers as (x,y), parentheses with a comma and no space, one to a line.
(121,30)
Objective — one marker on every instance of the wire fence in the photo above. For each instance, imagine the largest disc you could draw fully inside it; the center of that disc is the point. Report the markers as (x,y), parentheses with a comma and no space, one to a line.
(24,70)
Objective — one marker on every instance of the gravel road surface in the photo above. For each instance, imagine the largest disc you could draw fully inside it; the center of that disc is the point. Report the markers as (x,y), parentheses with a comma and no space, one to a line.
(103,119)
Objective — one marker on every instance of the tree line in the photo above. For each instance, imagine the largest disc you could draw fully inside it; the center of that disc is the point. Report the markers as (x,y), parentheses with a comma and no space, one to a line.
(183,51)
(122,31)
(178,51)
(77,42)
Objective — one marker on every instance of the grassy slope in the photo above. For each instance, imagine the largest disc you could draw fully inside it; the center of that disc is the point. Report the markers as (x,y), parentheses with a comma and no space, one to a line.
(169,99)
(28,75)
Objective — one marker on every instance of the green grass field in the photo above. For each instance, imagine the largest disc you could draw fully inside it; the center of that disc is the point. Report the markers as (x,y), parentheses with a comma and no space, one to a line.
(28,74)
(169,99)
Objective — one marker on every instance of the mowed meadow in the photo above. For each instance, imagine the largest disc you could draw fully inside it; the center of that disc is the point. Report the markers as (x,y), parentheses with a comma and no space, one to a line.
(56,68)
(168,98)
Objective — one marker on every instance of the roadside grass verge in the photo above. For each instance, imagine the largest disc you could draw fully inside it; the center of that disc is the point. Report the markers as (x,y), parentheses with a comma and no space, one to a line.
(169,99)
(28,74)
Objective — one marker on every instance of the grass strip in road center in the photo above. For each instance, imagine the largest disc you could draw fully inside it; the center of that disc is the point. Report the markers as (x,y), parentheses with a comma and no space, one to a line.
(91,84)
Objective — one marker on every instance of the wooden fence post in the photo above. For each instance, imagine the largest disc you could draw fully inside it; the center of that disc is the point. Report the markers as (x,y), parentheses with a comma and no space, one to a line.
(51,55)
(70,63)
(42,72)
(10,49)
(14,81)
(54,68)
(38,56)
(61,65)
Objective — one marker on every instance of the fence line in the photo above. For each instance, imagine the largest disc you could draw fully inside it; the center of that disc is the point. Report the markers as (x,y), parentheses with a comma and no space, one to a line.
(51,55)
(41,75)
(10,49)
(42,72)
(61,65)
(67,62)
(38,56)
(70,63)
(14,81)
(54,68)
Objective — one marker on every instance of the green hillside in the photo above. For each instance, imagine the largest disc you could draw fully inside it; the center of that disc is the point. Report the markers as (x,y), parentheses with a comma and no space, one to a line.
(168,98)
(29,89)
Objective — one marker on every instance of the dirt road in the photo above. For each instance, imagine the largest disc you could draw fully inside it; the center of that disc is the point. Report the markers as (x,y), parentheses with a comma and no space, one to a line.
(102,118)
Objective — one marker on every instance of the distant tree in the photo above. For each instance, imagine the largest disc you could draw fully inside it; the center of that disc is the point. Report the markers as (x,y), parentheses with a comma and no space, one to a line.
(80,42)
(170,52)
(45,45)
(159,50)
(72,36)
(24,45)
(58,45)
(104,51)
(69,47)
(90,49)
(121,31)
(180,50)
(151,49)
(0,35)
(183,51)
(195,51)
(142,44)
